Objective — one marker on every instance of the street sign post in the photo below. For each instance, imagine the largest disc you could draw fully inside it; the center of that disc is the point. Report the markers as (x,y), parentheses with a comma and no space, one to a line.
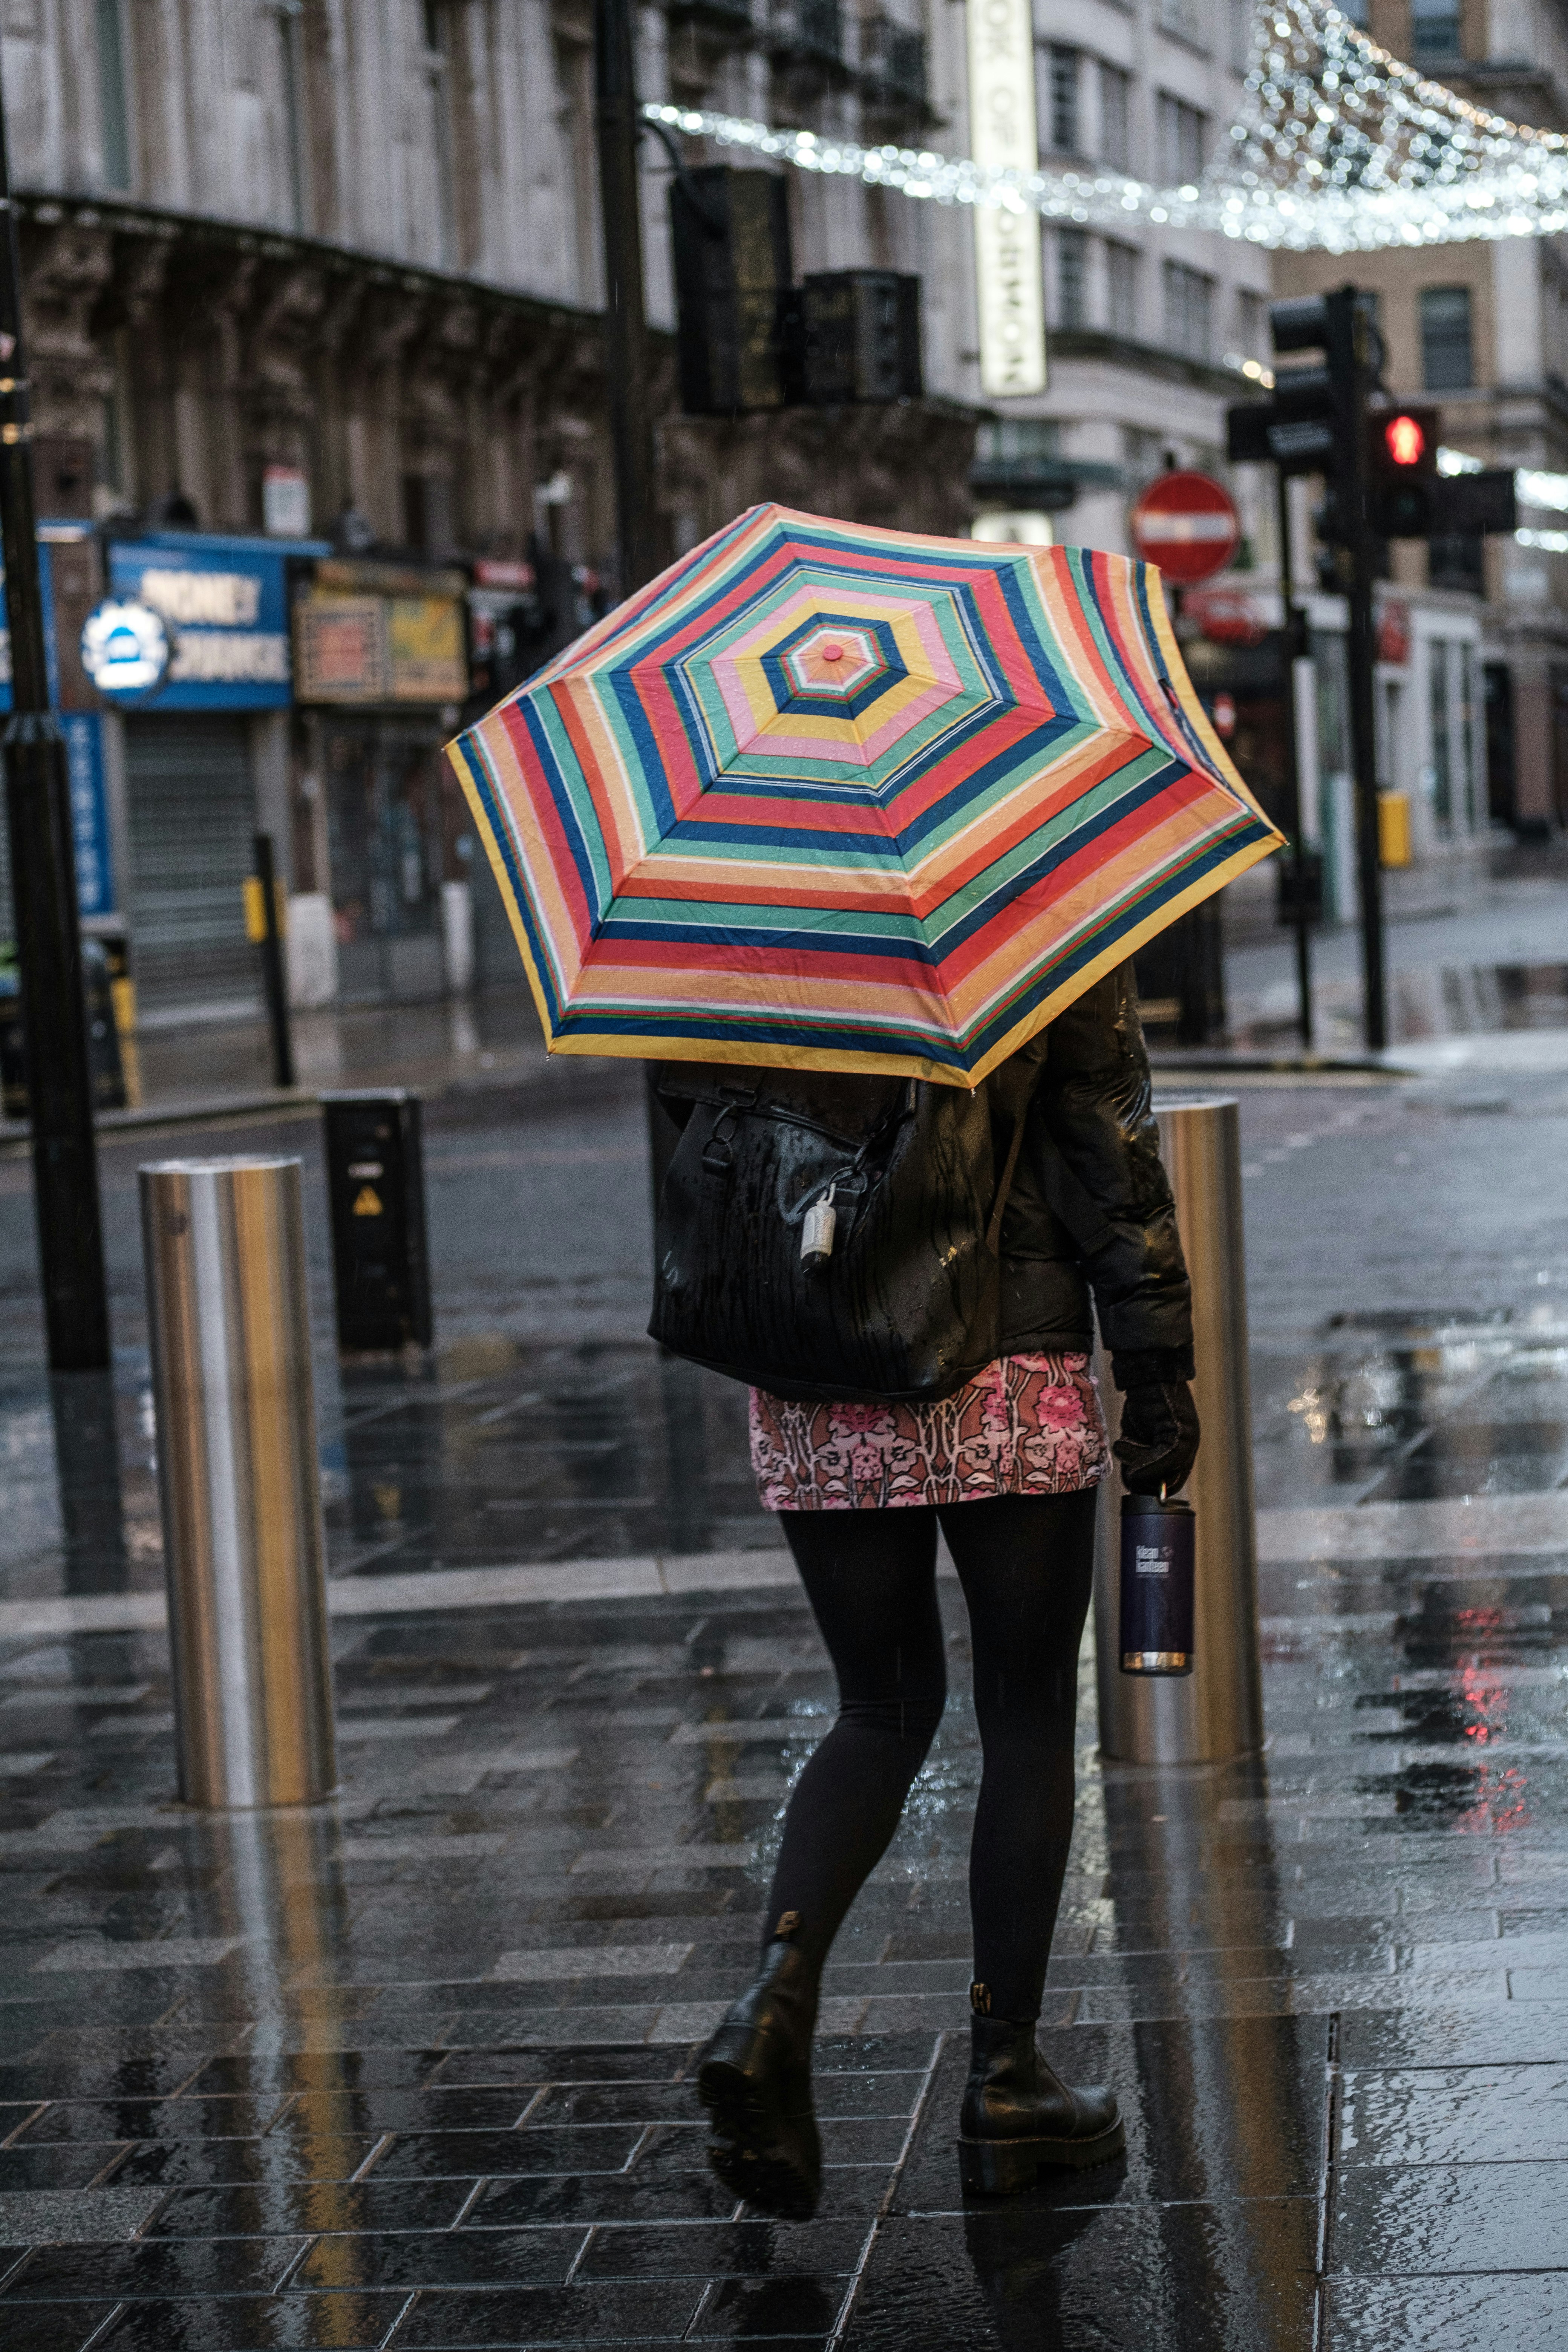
(1187,524)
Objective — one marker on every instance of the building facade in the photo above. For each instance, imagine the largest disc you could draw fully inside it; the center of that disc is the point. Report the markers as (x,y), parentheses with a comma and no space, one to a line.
(1147,329)
(1479,730)
(312,300)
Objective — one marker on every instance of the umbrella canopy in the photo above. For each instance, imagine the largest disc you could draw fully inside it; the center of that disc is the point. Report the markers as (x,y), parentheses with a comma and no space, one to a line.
(833,797)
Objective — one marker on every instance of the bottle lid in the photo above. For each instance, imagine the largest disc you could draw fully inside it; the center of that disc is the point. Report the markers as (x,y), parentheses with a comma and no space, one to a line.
(1156,1507)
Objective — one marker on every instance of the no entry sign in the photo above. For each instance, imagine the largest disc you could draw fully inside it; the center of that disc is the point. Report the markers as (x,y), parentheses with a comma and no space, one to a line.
(1187,524)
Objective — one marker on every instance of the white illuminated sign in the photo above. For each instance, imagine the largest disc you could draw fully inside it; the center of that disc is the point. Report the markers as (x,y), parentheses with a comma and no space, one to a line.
(124,648)
(1002,137)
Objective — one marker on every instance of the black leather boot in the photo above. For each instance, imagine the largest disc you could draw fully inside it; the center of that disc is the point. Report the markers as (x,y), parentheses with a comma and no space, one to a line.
(754,2079)
(1018,2116)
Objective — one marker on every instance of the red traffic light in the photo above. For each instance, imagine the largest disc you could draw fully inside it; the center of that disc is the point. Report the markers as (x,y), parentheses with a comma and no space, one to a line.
(1405,440)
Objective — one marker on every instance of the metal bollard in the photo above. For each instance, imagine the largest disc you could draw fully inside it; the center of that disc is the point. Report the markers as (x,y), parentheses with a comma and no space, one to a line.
(1215,1712)
(244,1544)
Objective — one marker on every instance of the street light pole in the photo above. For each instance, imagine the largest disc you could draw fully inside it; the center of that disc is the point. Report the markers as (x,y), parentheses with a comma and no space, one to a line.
(43,886)
(625,319)
(1353,332)
(1294,645)
(625,361)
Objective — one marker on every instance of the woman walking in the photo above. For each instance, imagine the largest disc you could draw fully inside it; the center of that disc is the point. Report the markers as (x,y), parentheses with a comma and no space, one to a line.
(1008,1467)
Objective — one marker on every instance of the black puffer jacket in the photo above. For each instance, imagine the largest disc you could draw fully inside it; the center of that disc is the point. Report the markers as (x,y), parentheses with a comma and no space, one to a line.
(1094,1215)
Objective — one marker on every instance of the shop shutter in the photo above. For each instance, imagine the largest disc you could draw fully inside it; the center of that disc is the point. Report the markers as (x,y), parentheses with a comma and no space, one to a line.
(192,819)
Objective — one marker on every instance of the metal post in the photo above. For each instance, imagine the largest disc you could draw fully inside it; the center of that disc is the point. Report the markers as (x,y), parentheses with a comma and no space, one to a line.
(1293,636)
(626,321)
(243,1543)
(274,979)
(1361,649)
(1215,1712)
(625,332)
(43,886)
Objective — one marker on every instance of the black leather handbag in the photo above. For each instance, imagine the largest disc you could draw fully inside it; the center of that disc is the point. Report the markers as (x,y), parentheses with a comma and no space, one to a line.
(824,1236)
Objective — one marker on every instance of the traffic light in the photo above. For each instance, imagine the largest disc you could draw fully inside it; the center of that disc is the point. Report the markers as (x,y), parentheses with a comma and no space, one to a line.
(861,336)
(733,276)
(1401,471)
(1312,423)
(1381,481)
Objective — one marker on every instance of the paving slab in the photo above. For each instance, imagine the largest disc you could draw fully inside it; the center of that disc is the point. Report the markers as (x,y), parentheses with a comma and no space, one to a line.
(414,2067)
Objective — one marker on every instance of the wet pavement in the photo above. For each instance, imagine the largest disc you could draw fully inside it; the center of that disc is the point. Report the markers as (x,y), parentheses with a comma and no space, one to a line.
(412,2068)
(1470,955)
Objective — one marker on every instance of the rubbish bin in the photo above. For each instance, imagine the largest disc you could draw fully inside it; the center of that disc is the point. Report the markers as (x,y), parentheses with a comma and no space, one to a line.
(375,1186)
(244,1544)
(1218,1710)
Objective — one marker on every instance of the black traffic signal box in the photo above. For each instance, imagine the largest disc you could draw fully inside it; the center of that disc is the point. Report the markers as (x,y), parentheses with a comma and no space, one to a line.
(375,1188)
(1379,463)
(861,335)
(1312,424)
(732,280)
(1401,471)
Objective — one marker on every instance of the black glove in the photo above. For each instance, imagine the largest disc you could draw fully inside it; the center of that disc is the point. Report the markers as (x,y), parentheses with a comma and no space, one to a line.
(1159,1440)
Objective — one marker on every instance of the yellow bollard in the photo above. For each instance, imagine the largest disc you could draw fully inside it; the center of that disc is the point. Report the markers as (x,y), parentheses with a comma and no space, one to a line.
(1393,828)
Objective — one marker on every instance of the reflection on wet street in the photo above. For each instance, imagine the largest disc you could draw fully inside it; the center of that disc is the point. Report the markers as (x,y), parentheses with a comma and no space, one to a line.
(413,2068)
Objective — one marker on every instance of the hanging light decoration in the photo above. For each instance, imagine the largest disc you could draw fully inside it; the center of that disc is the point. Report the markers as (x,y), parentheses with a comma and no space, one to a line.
(1337,148)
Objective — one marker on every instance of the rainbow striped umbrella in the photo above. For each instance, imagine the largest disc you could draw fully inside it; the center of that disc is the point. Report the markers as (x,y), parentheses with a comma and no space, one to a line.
(848,799)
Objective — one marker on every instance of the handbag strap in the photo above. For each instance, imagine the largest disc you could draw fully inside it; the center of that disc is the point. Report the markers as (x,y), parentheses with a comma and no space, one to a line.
(1005,1186)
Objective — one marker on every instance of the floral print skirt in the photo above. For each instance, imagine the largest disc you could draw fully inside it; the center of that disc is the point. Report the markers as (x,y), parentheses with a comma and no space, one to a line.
(1025,1425)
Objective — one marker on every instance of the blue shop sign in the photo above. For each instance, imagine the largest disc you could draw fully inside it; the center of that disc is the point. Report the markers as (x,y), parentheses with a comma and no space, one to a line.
(224,603)
(89,811)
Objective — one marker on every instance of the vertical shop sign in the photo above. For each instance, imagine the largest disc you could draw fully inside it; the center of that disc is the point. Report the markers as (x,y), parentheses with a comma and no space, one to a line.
(1002,136)
(89,811)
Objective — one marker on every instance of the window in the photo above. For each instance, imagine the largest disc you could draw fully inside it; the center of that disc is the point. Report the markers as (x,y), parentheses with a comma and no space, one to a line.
(1142,453)
(1113,88)
(1446,361)
(1180,17)
(1442,771)
(1238,26)
(1467,731)
(1072,278)
(1017,441)
(438,67)
(290,26)
(1458,562)
(1062,100)
(1122,288)
(1184,140)
(1189,303)
(113,97)
(1436,29)
(1250,320)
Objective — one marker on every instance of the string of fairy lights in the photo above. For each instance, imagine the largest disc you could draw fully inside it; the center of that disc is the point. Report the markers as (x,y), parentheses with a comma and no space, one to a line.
(1337,148)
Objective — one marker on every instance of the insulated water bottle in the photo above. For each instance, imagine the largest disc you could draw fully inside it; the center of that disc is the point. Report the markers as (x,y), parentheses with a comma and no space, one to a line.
(1158,1550)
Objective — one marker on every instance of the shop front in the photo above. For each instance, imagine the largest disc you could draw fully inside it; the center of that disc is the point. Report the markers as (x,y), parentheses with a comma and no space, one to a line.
(196,765)
(382,662)
(1431,731)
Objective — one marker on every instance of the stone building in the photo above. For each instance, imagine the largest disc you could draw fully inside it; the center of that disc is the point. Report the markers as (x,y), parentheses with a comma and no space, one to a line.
(1148,328)
(312,301)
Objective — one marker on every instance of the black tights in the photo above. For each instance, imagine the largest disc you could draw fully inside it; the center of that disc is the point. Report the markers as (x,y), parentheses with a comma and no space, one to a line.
(1027,1565)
